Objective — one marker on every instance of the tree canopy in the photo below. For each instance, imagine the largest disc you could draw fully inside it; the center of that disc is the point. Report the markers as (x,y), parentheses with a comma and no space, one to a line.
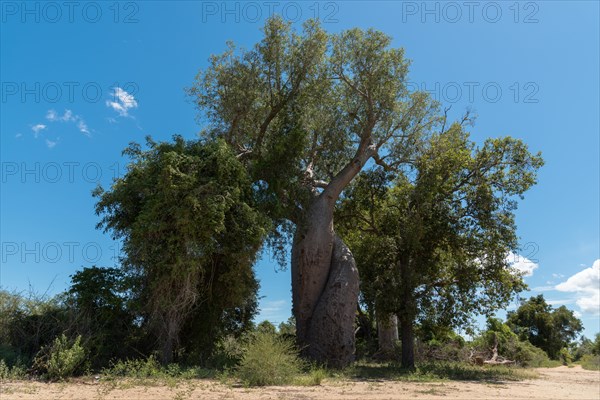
(543,326)
(185,213)
(432,243)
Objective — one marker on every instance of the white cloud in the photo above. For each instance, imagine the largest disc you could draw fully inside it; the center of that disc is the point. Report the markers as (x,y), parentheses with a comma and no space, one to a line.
(18,135)
(275,311)
(37,129)
(83,128)
(586,285)
(50,143)
(69,116)
(51,115)
(560,302)
(542,288)
(522,264)
(123,102)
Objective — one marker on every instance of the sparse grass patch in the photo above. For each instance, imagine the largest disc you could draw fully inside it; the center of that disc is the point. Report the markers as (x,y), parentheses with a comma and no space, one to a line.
(436,371)
(313,377)
(150,372)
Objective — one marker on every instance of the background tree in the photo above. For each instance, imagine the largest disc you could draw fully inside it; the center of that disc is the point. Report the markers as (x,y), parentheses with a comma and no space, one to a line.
(549,329)
(305,112)
(185,213)
(103,314)
(433,244)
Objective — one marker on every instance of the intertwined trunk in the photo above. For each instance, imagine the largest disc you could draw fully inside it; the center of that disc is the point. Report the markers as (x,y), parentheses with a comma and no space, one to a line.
(324,288)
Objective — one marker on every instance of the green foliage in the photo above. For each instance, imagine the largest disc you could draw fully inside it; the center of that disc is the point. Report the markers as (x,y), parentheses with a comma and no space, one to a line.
(8,373)
(103,313)
(185,212)
(227,353)
(591,362)
(446,349)
(266,327)
(596,349)
(549,329)
(134,368)
(301,105)
(584,347)
(150,368)
(62,359)
(565,356)
(28,323)
(509,346)
(437,370)
(431,244)
(269,359)
(288,328)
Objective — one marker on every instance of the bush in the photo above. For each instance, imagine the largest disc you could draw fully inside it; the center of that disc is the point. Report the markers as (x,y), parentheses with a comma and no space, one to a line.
(565,356)
(591,362)
(269,360)
(61,359)
(138,368)
(450,349)
(150,368)
(228,353)
(510,347)
(11,373)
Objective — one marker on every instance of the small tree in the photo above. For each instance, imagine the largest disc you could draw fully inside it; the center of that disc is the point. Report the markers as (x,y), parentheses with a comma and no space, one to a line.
(184,211)
(100,298)
(549,329)
(432,243)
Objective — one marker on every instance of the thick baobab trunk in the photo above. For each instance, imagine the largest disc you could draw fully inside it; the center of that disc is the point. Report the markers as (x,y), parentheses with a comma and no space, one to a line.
(324,288)
(387,334)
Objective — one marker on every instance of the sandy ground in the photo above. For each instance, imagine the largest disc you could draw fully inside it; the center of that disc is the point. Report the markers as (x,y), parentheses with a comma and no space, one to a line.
(554,383)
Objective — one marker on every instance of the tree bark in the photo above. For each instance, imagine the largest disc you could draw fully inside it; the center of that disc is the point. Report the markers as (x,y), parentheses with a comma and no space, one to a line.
(387,334)
(324,288)
(408,343)
(407,315)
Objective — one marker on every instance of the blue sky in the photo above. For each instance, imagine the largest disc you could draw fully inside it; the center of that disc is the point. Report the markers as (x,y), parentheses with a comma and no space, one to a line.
(81,80)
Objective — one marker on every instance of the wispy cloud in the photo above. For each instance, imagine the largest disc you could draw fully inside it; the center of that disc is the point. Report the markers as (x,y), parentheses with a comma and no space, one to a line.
(37,129)
(50,143)
(69,116)
(542,288)
(521,264)
(586,285)
(123,102)
(275,311)
(19,135)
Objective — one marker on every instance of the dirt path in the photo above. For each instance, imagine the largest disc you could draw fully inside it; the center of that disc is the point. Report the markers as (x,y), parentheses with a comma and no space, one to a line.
(554,383)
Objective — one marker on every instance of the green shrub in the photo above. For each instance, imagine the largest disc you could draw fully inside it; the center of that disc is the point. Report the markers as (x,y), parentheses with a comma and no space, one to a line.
(150,368)
(591,362)
(269,360)
(510,347)
(137,368)
(565,356)
(228,353)
(313,377)
(15,372)
(60,360)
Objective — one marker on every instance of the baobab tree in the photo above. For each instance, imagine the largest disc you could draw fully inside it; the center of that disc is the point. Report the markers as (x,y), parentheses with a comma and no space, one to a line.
(306,112)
